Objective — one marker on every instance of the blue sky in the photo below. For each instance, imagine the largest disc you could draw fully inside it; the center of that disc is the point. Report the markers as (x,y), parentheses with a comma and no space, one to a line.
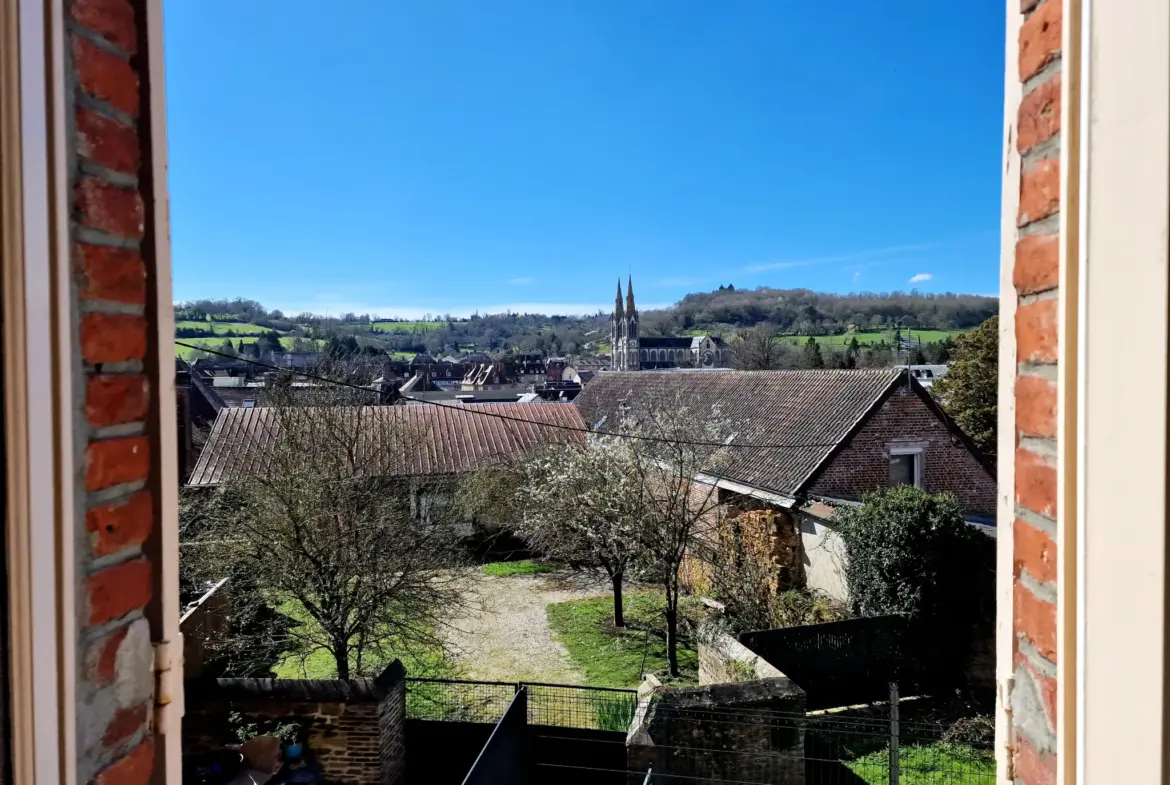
(454,155)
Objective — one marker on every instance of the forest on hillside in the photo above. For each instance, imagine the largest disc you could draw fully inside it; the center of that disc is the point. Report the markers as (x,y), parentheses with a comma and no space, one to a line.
(726,312)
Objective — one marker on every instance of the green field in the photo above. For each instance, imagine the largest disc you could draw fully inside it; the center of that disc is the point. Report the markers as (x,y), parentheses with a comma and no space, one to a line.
(610,657)
(426,661)
(215,343)
(876,336)
(408,327)
(506,569)
(221,327)
(943,762)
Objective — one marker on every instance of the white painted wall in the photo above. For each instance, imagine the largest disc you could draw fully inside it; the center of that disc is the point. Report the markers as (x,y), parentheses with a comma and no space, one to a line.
(824,559)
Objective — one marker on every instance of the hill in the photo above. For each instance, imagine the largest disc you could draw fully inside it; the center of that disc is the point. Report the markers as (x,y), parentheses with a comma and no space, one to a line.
(796,313)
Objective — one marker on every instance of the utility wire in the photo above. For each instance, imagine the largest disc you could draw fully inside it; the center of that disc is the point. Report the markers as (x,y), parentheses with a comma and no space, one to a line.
(520,420)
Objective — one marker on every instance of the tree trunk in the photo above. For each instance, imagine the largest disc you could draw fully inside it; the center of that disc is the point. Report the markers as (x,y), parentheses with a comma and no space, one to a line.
(619,616)
(341,657)
(672,632)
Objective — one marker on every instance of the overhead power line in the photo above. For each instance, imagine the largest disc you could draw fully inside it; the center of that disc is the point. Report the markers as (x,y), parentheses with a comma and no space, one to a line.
(521,420)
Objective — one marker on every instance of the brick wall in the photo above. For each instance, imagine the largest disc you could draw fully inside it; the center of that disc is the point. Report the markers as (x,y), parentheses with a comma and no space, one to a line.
(1035,275)
(863,465)
(357,730)
(109,186)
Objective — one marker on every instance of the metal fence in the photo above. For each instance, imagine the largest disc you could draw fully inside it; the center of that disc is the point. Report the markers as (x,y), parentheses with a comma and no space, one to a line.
(560,705)
(873,746)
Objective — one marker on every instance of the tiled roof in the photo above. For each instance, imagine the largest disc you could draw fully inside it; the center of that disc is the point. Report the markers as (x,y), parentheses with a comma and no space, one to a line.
(760,407)
(450,439)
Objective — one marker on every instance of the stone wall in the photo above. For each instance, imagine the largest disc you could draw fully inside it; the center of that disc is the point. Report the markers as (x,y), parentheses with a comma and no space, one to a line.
(357,730)
(948,465)
(745,732)
(724,660)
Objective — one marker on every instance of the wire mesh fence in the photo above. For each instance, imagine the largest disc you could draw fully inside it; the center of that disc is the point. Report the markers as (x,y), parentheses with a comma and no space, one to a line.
(561,705)
(688,744)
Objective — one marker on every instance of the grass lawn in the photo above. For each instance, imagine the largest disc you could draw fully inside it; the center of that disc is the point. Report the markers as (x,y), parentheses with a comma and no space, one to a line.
(505,569)
(613,658)
(945,763)
(408,327)
(319,664)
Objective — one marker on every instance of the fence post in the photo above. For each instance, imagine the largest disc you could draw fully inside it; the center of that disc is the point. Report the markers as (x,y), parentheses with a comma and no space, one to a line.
(894,761)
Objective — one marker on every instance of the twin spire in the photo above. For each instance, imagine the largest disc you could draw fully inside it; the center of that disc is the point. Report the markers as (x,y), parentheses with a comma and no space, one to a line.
(617,303)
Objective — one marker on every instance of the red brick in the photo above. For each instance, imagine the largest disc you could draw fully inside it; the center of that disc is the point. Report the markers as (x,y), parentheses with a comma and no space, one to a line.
(112,337)
(1037,267)
(103,658)
(106,273)
(124,724)
(1032,766)
(1036,406)
(1039,191)
(1036,619)
(134,769)
(115,461)
(117,590)
(1045,685)
(1034,551)
(1039,116)
(1036,337)
(120,525)
(110,208)
(1039,39)
(112,399)
(114,19)
(106,76)
(107,142)
(1035,483)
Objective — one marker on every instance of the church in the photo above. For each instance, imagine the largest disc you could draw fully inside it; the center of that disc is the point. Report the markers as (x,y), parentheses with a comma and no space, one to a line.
(632,352)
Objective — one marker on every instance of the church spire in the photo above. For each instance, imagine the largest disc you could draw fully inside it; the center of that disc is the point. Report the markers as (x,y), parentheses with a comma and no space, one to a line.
(629,296)
(617,302)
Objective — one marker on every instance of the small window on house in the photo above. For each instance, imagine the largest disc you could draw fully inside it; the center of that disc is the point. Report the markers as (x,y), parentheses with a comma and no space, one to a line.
(905,464)
(904,469)
(929,374)
(249,403)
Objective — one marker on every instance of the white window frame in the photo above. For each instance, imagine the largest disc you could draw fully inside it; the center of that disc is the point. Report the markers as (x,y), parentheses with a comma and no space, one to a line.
(916,449)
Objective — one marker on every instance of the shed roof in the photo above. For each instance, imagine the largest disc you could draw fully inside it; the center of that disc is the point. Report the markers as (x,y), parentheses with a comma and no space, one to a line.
(450,439)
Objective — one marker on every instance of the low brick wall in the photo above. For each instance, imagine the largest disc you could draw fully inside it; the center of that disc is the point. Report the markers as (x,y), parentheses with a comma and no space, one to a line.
(357,730)
(743,732)
(724,660)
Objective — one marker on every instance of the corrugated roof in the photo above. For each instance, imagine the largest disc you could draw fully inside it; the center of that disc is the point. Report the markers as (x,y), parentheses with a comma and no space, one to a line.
(759,407)
(448,439)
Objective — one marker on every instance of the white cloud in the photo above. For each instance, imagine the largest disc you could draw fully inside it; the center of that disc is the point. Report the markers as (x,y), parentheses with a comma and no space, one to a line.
(857,275)
(522,281)
(845,257)
(921,277)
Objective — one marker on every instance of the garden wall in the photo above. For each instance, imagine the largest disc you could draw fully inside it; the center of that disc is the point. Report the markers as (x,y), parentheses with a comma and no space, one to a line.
(357,731)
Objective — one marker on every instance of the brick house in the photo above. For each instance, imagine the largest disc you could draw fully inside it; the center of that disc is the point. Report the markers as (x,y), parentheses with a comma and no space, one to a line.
(830,437)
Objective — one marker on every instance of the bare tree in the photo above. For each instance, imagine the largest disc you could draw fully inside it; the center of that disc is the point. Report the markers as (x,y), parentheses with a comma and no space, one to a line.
(673,468)
(325,519)
(757,348)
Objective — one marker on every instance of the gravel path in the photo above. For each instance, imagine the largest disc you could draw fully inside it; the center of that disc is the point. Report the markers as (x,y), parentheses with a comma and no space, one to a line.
(509,640)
